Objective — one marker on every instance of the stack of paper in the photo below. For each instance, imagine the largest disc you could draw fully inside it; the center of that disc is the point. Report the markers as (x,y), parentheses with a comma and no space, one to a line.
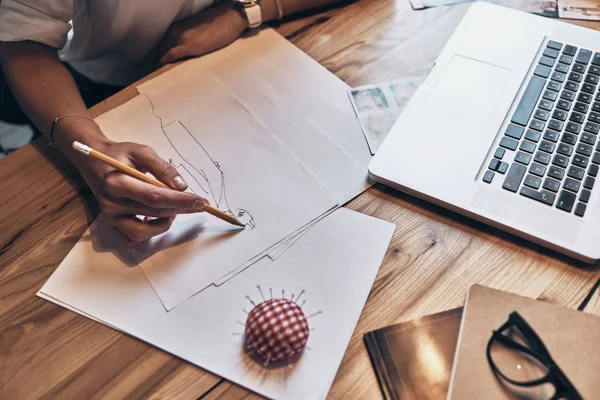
(260,130)
(263,132)
(329,271)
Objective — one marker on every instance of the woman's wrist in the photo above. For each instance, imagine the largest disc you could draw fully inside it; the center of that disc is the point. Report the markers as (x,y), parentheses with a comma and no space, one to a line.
(80,129)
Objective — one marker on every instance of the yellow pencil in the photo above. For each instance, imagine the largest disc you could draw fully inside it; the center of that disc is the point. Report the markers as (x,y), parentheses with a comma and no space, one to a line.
(126,169)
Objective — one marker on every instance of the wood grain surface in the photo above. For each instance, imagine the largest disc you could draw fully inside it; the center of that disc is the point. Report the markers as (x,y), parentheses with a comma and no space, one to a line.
(435,255)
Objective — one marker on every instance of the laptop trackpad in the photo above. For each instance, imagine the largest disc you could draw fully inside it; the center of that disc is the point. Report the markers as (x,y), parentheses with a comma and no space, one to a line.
(468,88)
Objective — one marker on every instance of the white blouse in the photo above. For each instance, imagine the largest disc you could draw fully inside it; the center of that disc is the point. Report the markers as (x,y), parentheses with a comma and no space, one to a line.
(109,41)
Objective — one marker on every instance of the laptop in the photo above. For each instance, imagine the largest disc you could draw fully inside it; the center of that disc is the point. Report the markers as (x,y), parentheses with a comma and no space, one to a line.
(505,130)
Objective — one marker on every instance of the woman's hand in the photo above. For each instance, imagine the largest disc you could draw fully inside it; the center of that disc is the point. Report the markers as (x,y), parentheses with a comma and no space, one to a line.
(202,33)
(122,197)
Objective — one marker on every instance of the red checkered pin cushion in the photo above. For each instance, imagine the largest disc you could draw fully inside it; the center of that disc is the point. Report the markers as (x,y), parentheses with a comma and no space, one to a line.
(276,330)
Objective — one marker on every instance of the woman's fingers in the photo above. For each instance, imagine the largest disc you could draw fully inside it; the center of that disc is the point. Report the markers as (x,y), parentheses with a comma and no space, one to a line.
(122,186)
(123,207)
(139,231)
(148,160)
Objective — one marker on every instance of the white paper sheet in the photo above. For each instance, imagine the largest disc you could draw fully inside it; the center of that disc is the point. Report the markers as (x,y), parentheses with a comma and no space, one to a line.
(299,101)
(231,159)
(335,264)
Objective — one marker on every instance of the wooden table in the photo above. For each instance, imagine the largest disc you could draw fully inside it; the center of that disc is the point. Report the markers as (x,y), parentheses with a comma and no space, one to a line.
(434,256)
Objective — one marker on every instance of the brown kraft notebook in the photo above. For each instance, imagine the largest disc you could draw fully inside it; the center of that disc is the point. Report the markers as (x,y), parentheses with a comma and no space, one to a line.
(572,338)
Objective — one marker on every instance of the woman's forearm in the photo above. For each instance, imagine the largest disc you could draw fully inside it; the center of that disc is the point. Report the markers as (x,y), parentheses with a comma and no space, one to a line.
(289,7)
(45,90)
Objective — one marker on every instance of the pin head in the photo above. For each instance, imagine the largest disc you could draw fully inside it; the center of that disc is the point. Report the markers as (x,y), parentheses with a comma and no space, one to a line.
(276,330)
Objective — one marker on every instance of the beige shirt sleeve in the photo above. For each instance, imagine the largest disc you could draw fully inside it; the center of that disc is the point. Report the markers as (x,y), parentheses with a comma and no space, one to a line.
(43,21)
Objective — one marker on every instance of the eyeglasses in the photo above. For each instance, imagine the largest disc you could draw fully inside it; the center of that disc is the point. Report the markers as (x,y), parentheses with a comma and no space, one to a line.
(518,355)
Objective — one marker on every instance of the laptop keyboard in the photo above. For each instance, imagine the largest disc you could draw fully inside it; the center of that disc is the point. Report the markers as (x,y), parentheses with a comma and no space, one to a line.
(549,152)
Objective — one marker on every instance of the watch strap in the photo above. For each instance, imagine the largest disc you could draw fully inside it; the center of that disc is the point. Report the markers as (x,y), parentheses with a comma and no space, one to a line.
(254,15)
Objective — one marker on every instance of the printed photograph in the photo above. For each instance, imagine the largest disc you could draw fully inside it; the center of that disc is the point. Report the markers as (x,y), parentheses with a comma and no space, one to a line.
(369,99)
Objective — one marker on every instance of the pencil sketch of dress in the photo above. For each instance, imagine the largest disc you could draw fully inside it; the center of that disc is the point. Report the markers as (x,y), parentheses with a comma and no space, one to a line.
(207,176)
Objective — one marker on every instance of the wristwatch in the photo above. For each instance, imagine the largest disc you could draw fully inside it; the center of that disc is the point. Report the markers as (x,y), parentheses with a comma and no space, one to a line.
(252,10)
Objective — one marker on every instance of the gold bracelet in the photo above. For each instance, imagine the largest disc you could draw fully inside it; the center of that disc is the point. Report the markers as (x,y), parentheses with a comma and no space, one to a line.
(279,9)
(57,119)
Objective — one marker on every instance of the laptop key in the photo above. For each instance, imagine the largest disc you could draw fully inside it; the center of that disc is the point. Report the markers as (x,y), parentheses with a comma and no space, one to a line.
(580,209)
(572,86)
(593,170)
(584,149)
(565,59)
(546,105)
(547,61)
(596,59)
(562,68)
(488,177)
(529,100)
(546,146)
(514,131)
(551,185)
(581,107)
(565,149)
(537,169)
(570,50)
(522,158)
(552,85)
(550,95)
(583,56)
(502,167)
(567,95)
(532,135)
(594,117)
(593,79)
(580,161)
(577,117)
(589,182)
(558,76)
(573,127)
(499,153)
(550,52)
(514,177)
(551,136)
(588,88)
(575,172)
(572,185)
(569,138)
(585,97)
(596,158)
(543,71)
(588,138)
(527,146)
(596,106)
(559,115)
(556,173)
(543,196)
(566,200)
(560,160)
(585,196)
(537,125)
(542,158)
(509,143)
(532,181)
(594,69)
(575,76)
(552,44)
(541,115)
(563,105)
(556,125)
(493,164)
(592,128)
(578,67)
